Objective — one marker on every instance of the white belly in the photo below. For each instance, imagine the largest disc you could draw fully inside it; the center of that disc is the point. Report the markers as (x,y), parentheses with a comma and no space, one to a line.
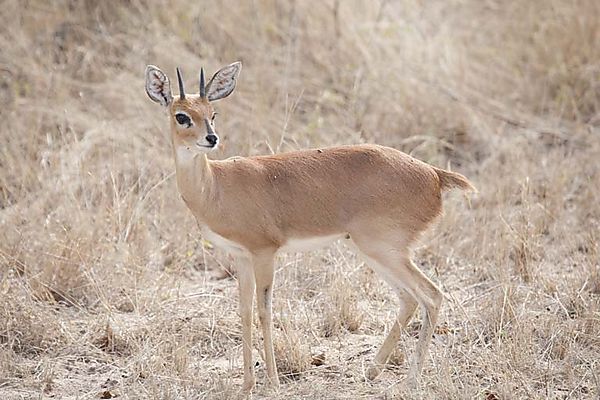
(305,244)
(292,245)
(225,244)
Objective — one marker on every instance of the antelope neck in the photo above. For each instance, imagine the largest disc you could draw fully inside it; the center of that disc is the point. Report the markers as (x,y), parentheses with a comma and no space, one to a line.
(194,178)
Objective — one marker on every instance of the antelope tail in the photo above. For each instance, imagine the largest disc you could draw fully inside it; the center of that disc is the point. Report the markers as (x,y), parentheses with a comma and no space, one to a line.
(450,180)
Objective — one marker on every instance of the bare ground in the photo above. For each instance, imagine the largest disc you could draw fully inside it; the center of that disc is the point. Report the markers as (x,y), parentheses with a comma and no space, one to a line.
(108,290)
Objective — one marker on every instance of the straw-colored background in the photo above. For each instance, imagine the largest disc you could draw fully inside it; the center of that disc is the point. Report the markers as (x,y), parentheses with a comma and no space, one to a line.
(106,287)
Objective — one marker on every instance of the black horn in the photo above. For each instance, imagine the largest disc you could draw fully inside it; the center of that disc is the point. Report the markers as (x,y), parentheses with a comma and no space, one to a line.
(181,89)
(202,85)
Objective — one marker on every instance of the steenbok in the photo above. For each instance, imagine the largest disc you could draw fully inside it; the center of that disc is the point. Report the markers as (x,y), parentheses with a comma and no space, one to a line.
(254,207)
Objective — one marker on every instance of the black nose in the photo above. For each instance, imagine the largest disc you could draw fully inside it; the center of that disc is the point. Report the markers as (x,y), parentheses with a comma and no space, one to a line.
(212,139)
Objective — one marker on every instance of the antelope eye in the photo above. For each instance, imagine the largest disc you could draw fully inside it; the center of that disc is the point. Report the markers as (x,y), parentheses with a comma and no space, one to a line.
(213,116)
(183,119)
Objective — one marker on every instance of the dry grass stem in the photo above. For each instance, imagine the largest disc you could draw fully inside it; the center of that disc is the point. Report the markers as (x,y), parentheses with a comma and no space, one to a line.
(107,288)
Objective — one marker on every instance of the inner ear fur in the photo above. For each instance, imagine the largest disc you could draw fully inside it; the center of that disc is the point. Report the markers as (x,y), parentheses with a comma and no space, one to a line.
(223,82)
(158,86)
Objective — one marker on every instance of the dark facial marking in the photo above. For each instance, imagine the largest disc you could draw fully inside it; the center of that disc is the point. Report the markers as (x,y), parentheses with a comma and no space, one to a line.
(267,289)
(183,119)
(209,128)
(212,139)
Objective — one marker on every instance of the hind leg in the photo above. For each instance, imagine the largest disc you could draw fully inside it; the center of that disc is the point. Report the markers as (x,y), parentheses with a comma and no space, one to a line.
(430,299)
(408,305)
(390,259)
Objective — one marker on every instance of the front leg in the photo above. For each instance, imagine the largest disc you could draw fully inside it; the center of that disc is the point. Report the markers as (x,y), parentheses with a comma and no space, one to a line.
(246,284)
(263,273)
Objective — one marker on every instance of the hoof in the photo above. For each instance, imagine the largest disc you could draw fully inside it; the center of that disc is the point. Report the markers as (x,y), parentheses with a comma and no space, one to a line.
(273,383)
(247,388)
(244,394)
(412,379)
(373,372)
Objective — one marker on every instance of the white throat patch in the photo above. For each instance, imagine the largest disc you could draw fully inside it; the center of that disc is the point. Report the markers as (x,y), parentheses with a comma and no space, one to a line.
(186,154)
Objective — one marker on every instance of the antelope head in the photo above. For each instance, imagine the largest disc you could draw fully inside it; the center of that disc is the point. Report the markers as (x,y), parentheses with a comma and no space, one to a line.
(192,116)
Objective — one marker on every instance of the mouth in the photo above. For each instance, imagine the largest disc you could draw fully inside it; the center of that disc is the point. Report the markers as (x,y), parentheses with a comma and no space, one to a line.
(207,146)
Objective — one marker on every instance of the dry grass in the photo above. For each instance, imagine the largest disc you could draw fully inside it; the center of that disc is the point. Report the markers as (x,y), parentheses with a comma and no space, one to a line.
(107,289)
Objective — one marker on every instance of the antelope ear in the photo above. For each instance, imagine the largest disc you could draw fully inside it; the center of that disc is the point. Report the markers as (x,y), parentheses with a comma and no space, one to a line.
(223,82)
(158,87)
